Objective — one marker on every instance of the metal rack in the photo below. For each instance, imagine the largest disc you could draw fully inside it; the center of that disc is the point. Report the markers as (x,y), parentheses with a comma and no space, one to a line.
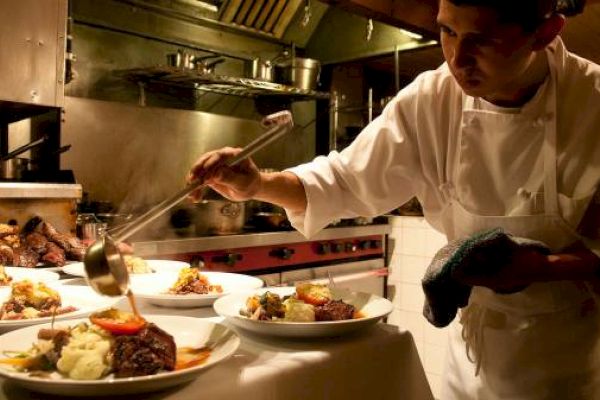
(227,85)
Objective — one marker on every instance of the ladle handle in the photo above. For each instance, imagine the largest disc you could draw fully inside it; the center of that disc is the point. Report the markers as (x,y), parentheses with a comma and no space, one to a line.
(275,132)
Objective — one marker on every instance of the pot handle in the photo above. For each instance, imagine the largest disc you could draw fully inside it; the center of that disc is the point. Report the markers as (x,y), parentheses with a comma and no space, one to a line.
(231,210)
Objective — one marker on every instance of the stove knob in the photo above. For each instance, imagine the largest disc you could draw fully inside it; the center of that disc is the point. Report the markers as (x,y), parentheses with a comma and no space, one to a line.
(351,247)
(323,248)
(364,244)
(230,259)
(283,253)
(337,247)
(375,244)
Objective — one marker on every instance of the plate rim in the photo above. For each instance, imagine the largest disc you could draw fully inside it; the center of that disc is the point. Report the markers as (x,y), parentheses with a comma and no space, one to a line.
(9,268)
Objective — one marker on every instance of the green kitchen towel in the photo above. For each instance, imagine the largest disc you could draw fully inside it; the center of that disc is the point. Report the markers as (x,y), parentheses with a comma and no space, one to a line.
(485,252)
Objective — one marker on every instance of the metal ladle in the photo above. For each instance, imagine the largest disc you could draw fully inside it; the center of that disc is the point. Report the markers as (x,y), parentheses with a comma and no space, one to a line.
(104,265)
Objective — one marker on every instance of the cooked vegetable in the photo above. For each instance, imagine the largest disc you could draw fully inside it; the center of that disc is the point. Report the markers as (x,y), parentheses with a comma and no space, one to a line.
(118,322)
(313,294)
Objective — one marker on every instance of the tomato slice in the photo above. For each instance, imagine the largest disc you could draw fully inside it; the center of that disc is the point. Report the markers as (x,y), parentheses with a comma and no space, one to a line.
(118,322)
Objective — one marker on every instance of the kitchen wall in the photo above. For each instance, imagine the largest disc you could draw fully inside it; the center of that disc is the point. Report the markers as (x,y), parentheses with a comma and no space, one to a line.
(412,244)
(133,146)
(136,156)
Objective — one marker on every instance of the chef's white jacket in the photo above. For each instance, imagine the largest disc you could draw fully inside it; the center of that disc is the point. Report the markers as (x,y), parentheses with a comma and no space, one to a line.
(408,150)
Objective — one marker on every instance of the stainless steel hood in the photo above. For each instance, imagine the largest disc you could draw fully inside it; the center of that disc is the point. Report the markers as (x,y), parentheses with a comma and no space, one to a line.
(268,16)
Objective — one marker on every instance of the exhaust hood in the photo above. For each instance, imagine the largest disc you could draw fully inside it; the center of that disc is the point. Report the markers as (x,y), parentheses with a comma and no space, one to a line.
(268,16)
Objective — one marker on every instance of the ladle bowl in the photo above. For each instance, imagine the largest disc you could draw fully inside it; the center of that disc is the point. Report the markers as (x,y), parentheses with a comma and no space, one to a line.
(104,266)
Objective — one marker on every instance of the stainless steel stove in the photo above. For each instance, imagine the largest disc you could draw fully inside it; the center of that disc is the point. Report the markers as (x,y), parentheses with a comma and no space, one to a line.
(353,255)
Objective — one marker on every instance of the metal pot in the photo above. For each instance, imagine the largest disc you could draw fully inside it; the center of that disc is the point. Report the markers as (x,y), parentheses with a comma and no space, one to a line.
(270,220)
(89,228)
(302,73)
(219,217)
(259,69)
(13,169)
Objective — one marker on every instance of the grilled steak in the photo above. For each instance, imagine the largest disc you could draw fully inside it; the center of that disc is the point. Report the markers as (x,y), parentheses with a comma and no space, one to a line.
(54,255)
(334,310)
(148,352)
(25,257)
(37,242)
(7,255)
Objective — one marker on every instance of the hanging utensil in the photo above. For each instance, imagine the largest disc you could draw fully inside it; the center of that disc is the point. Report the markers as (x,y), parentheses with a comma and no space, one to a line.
(307,14)
(104,266)
(369,30)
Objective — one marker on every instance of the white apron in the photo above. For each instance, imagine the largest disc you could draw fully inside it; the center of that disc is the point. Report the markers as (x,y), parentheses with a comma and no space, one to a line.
(535,344)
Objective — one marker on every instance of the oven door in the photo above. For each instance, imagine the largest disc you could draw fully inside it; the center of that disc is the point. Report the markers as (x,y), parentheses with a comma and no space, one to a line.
(363,276)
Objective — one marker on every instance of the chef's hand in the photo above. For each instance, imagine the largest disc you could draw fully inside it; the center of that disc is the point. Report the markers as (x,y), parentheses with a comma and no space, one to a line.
(238,183)
(525,267)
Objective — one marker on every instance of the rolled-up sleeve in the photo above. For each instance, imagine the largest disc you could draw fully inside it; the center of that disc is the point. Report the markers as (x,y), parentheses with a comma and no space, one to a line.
(373,175)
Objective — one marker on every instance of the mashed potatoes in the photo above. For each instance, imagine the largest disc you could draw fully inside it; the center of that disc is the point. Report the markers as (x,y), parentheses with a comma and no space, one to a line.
(136,265)
(298,311)
(86,356)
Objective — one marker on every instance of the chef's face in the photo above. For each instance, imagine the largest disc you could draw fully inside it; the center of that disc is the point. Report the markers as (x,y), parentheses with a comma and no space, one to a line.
(488,58)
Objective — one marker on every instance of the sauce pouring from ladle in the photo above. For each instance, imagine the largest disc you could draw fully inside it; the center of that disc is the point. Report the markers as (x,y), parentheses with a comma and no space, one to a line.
(104,265)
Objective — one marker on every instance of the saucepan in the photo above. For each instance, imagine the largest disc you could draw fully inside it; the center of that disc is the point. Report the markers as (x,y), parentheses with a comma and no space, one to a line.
(11,167)
(258,68)
(104,265)
(302,73)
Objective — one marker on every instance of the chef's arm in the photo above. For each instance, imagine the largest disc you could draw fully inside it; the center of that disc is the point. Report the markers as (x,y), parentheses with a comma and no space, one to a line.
(284,189)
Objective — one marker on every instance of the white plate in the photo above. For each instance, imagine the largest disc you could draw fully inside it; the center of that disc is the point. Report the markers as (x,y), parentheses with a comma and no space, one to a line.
(187,331)
(371,306)
(34,275)
(82,297)
(77,269)
(154,288)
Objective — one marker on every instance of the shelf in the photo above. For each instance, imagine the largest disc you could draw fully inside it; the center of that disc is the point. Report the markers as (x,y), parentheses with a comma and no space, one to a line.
(227,85)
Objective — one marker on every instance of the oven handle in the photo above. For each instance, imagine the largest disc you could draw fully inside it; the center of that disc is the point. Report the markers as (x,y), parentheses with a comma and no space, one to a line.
(380,272)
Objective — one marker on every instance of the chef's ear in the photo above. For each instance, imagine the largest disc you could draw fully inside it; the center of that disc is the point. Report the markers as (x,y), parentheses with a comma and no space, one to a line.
(548,30)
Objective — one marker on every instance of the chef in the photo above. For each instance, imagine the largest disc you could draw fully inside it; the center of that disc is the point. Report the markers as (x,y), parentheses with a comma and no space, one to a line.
(506,133)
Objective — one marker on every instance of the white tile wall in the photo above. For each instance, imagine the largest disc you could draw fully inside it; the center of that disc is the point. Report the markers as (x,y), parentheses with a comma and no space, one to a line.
(413,242)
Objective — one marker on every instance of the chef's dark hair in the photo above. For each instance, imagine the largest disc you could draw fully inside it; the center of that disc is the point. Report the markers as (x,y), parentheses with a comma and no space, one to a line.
(527,13)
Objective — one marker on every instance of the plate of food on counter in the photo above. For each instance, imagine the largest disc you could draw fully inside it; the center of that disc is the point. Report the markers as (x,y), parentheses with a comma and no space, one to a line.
(113,352)
(15,274)
(304,310)
(26,302)
(135,266)
(190,287)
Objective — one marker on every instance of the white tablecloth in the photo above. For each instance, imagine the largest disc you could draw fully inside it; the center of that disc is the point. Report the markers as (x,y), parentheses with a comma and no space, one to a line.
(378,363)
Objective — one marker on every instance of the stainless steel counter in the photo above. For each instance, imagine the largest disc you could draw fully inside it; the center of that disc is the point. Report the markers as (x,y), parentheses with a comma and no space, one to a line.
(207,243)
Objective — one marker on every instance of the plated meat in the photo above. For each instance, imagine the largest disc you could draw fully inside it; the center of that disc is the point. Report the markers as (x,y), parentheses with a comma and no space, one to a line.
(25,257)
(59,337)
(334,310)
(149,351)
